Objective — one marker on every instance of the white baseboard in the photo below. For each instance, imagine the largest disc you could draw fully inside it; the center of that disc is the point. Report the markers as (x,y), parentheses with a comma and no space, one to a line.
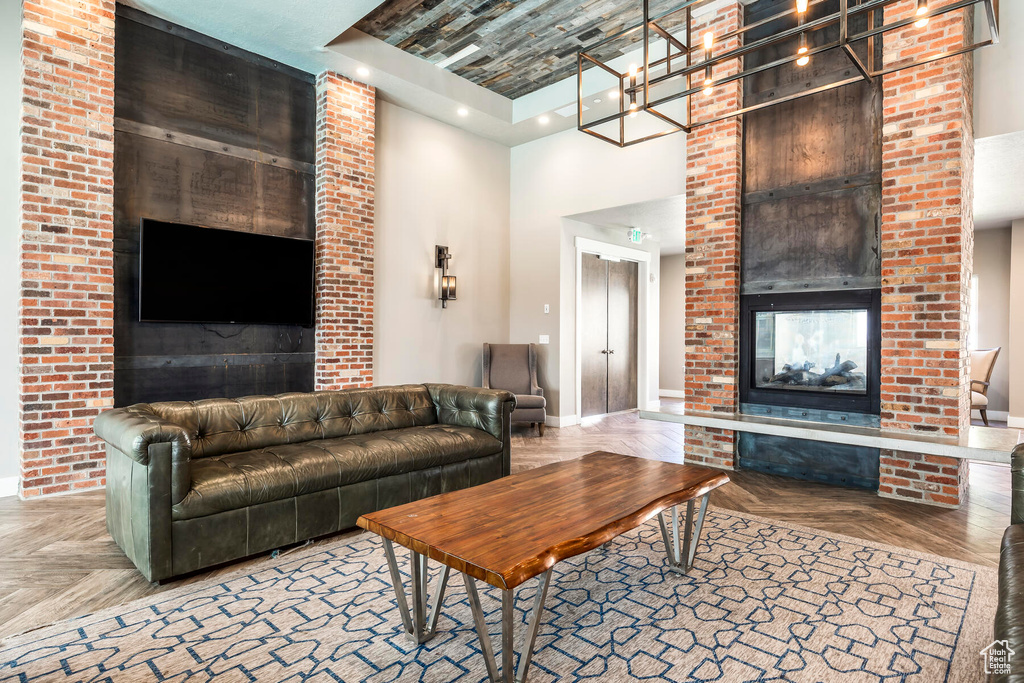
(672,393)
(1002,416)
(557,422)
(8,486)
(1012,421)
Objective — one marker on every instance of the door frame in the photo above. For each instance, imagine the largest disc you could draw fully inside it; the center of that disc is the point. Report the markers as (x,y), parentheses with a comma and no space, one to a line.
(585,245)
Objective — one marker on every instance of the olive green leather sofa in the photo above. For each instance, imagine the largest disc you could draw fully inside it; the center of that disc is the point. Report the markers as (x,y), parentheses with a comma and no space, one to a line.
(1009,622)
(195,484)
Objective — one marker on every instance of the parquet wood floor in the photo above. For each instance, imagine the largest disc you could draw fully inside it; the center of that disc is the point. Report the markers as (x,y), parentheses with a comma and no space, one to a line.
(58,562)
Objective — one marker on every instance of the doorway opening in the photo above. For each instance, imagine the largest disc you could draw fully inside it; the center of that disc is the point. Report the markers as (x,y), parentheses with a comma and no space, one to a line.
(608,365)
(611,335)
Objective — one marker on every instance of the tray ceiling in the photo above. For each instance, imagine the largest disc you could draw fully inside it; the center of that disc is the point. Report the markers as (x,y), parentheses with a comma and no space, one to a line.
(523,45)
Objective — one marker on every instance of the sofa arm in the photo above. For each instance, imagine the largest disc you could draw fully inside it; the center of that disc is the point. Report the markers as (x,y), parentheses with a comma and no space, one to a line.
(133,430)
(486,409)
(1017,484)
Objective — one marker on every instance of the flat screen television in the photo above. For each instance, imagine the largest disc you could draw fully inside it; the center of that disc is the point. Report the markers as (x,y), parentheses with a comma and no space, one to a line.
(203,275)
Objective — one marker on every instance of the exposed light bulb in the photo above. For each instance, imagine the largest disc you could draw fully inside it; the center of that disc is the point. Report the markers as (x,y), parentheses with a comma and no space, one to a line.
(805,58)
(633,68)
(922,8)
(708,89)
(709,40)
(708,82)
(801,6)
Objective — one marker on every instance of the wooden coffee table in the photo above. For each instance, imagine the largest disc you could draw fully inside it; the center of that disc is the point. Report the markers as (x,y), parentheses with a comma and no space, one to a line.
(513,529)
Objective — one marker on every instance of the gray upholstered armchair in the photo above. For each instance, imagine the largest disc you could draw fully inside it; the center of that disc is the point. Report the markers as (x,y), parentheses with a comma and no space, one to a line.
(513,367)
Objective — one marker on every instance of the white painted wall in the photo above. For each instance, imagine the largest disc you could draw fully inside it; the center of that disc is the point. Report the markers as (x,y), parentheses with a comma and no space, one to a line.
(561,175)
(998,97)
(1016,332)
(437,185)
(672,350)
(10,111)
(992,267)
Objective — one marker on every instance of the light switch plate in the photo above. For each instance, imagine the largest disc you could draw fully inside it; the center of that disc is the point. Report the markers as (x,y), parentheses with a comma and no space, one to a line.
(545,339)
(547,308)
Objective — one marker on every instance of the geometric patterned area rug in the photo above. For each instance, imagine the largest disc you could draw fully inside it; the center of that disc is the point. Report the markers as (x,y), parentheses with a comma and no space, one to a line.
(765,601)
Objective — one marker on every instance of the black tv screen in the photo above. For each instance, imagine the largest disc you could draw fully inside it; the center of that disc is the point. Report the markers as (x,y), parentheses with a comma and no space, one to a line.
(193,274)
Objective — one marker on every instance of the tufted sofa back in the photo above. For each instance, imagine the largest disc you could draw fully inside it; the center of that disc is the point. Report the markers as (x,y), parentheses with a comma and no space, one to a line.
(221,425)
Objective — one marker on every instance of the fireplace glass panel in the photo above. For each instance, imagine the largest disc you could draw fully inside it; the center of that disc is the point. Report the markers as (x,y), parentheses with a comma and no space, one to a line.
(822,351)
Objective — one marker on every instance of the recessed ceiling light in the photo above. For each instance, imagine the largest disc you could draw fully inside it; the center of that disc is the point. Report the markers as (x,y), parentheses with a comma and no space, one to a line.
(463,111)
(543,120)
(597,100)
(363,71)
(613,94)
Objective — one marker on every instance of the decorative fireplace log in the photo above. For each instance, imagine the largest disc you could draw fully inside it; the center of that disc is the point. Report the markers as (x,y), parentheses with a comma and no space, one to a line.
(840,373)
(800,374)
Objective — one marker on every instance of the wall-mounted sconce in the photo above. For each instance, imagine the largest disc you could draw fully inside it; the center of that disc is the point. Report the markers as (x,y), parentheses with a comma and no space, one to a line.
(441,258)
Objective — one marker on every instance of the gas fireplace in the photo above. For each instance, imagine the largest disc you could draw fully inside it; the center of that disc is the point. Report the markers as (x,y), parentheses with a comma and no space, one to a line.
(812,350)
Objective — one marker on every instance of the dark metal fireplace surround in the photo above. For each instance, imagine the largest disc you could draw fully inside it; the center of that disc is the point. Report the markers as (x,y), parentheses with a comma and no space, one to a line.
(817,360)
(813,350)
(810,255)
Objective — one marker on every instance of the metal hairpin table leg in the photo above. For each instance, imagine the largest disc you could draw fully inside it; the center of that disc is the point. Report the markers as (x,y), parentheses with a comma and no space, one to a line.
(508,655)
(417,626)
(680,555)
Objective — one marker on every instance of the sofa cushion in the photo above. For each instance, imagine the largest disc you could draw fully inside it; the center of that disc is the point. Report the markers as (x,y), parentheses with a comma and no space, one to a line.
(237,480)
(234,425)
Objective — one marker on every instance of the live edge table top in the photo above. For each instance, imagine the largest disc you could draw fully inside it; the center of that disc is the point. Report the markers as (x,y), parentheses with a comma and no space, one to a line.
(509,530)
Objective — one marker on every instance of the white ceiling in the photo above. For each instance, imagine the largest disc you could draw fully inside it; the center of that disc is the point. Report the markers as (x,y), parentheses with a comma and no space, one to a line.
(663,218)
(998,181)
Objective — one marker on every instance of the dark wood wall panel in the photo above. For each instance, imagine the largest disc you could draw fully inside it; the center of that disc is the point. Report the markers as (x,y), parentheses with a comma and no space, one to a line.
(831,135)
(173,81)
(212,136)
(821,240)
(147,385)
(171,182)
(812,171)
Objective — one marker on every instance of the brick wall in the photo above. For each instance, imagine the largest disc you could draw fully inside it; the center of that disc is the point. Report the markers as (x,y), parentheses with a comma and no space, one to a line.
(713,188)
(927,249)
(344,232)
(66,307)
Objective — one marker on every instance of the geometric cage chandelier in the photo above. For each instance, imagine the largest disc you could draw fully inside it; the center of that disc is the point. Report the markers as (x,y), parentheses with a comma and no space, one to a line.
(673,86)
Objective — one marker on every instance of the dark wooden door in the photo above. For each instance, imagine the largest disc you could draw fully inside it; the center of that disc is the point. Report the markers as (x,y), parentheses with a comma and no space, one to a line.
(622,319)
(594,343)
(609,336)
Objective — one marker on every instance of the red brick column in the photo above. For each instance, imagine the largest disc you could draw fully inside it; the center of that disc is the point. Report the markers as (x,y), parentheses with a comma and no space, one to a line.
(713,196)
(927,253)
(66,309)
(344,232)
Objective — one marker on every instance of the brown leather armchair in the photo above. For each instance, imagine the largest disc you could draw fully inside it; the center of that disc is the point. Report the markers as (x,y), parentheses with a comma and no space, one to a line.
(513,367)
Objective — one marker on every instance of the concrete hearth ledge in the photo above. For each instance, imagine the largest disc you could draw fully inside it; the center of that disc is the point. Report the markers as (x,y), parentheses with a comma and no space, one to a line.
(981,443)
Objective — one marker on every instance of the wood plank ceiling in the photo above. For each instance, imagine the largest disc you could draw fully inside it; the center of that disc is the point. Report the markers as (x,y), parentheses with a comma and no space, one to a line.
(524,44)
